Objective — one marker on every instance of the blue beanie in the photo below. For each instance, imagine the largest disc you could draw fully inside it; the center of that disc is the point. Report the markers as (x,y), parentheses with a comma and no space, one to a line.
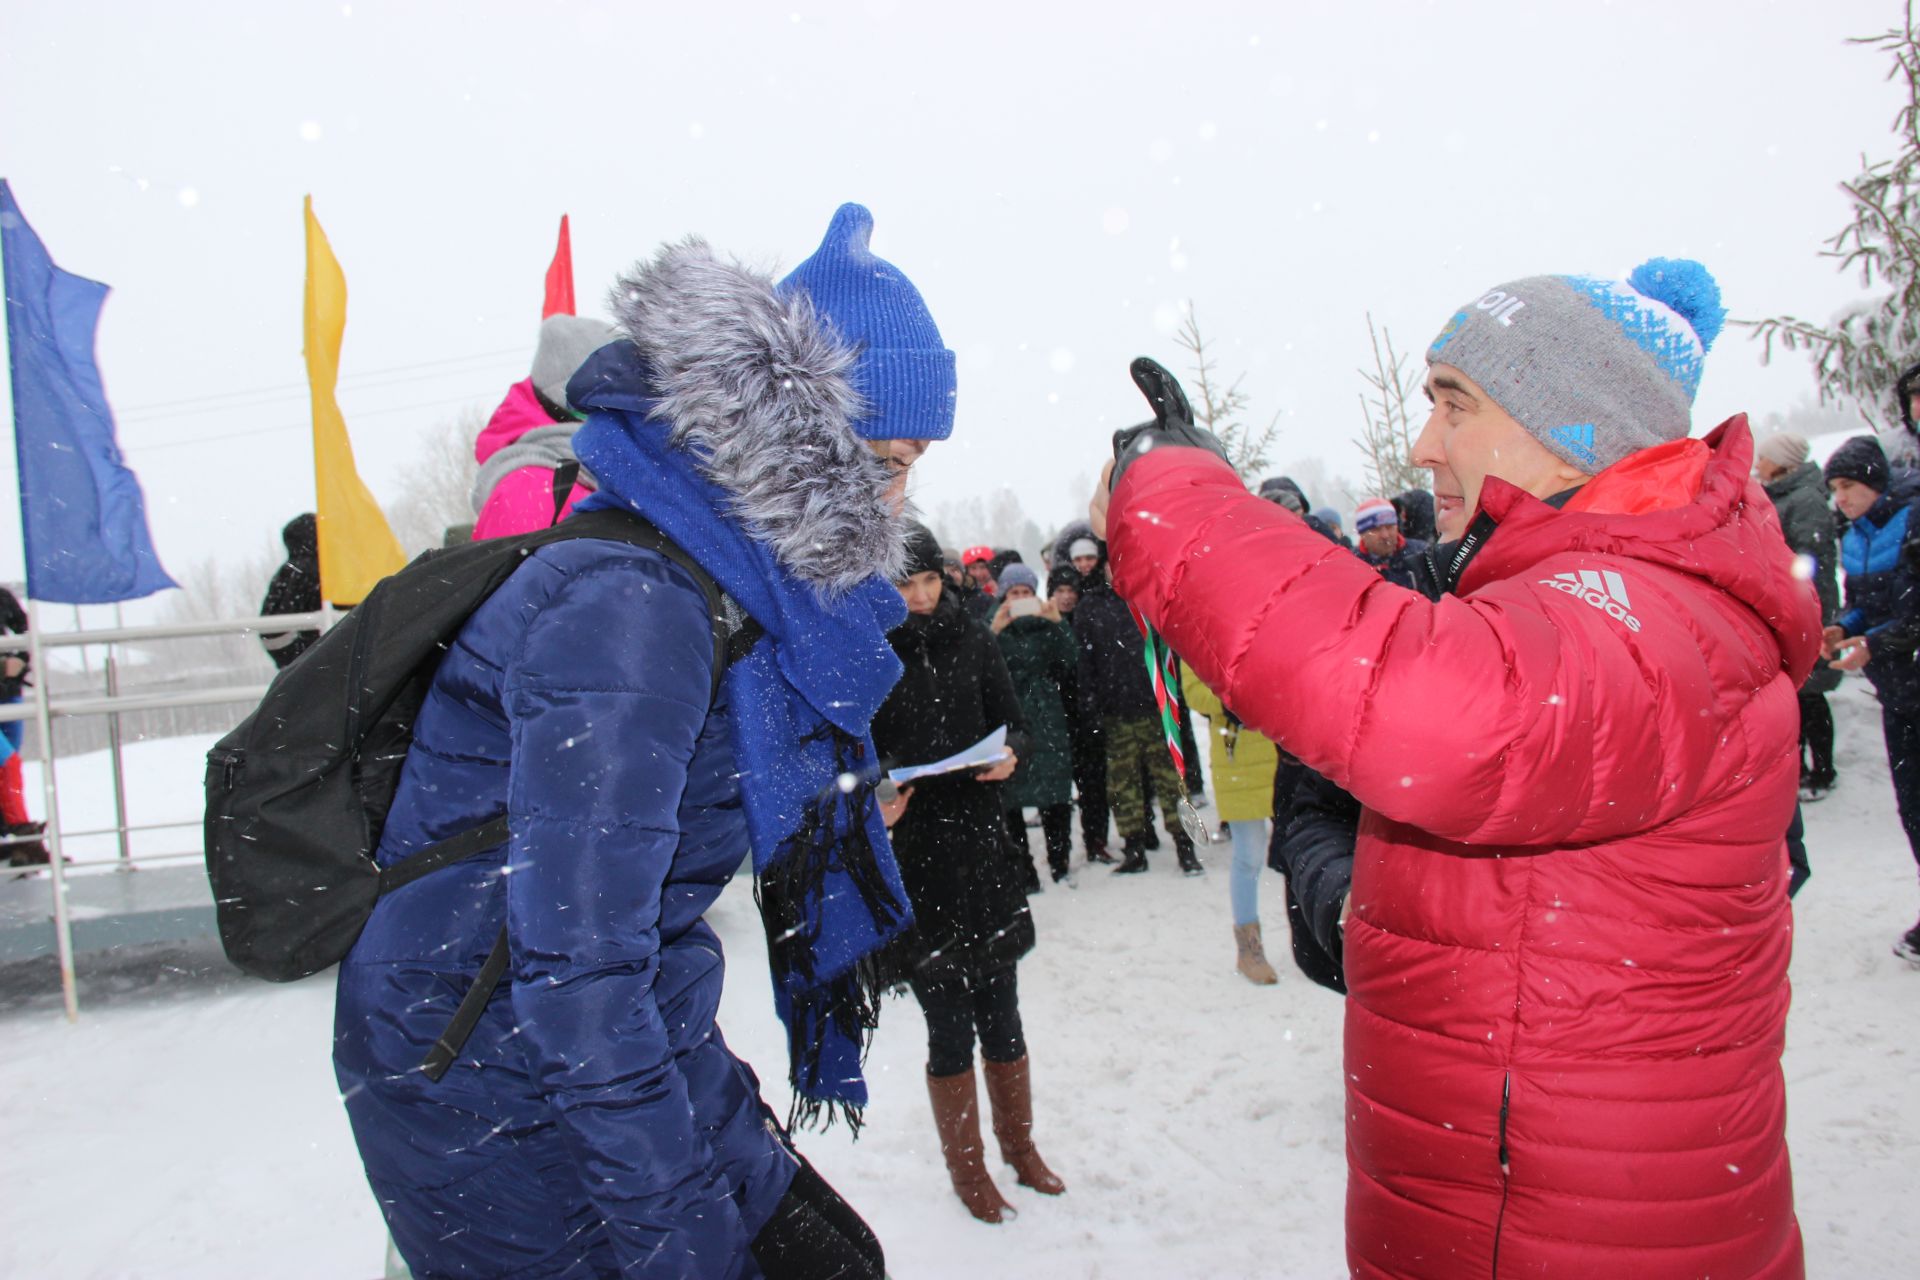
(904,370)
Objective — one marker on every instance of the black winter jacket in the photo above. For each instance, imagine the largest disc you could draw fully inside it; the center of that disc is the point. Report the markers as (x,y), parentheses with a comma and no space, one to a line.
(969,903)
(1800,499)
(1113,661)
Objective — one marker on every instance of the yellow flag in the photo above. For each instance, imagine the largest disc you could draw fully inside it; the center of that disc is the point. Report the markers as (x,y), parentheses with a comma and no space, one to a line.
(357,546)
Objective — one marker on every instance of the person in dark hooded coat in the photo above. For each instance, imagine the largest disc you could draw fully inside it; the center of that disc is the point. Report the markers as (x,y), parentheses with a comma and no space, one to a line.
(971,925)
(1078,560)
(1415,508)
(1042,659)
(295,589)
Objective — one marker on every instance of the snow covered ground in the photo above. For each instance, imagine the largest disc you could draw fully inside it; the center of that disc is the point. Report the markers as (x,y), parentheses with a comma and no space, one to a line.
(187,1125)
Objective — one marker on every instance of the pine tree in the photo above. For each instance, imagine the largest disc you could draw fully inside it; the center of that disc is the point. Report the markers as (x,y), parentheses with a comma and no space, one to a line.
(1858,357)
(1386,441)
(1218,408)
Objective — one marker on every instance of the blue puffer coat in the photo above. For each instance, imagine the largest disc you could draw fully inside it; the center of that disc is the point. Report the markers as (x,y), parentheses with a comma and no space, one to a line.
(1880,553)
(596,1096)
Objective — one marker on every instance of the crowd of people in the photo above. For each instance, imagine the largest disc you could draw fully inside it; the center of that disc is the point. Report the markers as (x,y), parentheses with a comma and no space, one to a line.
(1532,779)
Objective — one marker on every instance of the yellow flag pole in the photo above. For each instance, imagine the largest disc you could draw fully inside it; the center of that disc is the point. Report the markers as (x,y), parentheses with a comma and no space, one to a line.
(357,546)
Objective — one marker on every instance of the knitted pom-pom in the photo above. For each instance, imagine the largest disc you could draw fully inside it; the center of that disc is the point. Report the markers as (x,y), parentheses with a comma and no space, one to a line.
(1687,287)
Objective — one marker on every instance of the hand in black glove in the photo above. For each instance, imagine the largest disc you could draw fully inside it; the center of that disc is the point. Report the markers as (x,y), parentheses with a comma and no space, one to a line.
(1172,427)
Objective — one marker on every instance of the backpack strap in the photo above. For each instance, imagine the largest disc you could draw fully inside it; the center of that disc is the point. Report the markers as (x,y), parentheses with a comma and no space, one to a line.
(564,477)
(731,641)
(446,1050)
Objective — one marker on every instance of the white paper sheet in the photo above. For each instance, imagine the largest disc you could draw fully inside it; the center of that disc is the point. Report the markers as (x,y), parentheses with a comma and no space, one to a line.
(989,750)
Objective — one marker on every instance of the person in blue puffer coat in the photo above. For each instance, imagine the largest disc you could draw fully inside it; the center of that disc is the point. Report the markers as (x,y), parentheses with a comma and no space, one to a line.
(1879,629)
(596,1123)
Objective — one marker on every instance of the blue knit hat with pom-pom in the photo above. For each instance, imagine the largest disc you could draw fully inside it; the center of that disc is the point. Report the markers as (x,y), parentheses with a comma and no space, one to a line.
(1594,369)
(903,370)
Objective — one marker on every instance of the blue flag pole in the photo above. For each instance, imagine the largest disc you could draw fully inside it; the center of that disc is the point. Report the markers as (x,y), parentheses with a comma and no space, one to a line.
(83,519)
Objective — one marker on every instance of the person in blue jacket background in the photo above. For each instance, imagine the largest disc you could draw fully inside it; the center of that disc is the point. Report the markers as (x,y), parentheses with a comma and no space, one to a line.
(596,1123)
(1879,629)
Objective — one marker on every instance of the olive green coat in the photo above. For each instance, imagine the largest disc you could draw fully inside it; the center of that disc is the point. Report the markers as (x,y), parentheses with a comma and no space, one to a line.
(1041,657)
(1243,761)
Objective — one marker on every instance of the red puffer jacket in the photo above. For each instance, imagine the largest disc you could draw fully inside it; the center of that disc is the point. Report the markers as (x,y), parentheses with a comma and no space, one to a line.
(1568,950)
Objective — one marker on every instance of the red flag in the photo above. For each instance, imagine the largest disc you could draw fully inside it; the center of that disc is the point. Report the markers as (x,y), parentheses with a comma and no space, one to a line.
(560,276)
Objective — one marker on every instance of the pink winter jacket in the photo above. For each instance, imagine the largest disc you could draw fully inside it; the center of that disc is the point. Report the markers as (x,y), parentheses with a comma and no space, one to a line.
(522,500)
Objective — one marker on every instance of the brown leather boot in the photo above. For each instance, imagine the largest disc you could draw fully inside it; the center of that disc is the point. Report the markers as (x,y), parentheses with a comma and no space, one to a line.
(956,1117)
(1252,957)
(1010,1090)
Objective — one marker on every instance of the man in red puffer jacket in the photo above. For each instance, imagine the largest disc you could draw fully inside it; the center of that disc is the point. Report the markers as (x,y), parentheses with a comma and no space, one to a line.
(1568,935)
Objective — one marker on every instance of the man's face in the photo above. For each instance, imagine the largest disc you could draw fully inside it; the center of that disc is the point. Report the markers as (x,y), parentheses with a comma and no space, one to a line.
(1767,472)
(922,592)
(981,572)
(1468,438)
(1853,498)
(1065,598)
(1083,565)
(1382,540)
(1021,592)
(956,574)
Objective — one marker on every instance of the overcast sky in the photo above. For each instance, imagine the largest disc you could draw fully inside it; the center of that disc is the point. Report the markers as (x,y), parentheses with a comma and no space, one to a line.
(1057,180)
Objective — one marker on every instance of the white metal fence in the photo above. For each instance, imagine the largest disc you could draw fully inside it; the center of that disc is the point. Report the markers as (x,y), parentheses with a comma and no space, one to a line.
(111,705)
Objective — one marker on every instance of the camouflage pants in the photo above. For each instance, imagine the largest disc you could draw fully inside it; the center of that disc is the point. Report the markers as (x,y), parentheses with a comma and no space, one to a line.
(1134,745)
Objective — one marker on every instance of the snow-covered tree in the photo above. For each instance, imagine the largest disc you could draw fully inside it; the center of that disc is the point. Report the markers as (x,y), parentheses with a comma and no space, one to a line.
(1858,355)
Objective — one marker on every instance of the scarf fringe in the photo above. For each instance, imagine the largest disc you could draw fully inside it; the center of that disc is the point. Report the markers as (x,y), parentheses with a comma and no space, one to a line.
(832,839)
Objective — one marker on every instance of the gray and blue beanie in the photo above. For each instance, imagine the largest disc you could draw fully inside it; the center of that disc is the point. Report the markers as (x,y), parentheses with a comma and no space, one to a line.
(1593,369)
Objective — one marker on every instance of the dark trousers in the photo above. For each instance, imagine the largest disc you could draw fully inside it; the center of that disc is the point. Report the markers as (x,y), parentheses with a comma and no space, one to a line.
(1090,787)
(815,1235)
(1056,824)
(1816,737)
(1902,725)
(958,1008)
(1801,871)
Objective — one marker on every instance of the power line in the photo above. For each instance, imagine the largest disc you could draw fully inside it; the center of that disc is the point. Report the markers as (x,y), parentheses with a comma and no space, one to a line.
(282,389)
(289,426)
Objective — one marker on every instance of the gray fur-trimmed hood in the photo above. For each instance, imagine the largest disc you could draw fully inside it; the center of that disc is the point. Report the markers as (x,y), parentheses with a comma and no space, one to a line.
(757,387)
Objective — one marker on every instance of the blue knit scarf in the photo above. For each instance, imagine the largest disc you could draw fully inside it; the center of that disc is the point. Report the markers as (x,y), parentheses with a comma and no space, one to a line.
(830,892)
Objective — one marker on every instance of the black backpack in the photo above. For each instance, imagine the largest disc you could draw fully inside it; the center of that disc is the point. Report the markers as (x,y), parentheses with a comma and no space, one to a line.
(298,794)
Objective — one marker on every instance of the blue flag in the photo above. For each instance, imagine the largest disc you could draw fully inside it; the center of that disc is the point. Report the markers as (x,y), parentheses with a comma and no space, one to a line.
(80,508)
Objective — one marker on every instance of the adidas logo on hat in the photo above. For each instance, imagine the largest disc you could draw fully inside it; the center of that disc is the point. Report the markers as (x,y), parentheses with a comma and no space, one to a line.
(1604,590)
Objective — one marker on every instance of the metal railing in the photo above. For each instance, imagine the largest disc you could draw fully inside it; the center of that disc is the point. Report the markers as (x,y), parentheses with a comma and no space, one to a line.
(43,708)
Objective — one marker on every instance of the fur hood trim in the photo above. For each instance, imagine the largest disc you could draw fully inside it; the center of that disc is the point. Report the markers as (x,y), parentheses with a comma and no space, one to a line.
(757,386)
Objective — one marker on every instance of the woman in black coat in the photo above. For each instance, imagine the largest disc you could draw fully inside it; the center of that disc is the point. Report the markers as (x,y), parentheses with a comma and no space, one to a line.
(971,923)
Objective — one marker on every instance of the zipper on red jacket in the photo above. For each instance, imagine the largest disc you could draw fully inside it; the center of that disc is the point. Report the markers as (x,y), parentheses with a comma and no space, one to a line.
(1506,1168)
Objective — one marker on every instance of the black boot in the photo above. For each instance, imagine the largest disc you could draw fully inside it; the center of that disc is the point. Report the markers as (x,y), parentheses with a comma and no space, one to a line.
(1099,854)
(1151,840)
(1189,860)
(1133,857)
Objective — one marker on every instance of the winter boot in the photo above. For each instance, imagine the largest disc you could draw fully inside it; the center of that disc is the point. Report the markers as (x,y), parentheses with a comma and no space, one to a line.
(1133,857)
(30,852)
(956,1118)
(1252,961)
(1010,1091)
(1151,840)
(1908,948)
(1189,860)
(1097,853)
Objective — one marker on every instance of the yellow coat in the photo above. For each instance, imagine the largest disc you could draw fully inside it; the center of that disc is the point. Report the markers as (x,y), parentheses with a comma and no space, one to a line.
(1243,761)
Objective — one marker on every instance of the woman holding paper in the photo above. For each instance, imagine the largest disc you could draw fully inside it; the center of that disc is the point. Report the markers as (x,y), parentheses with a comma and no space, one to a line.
(971,924)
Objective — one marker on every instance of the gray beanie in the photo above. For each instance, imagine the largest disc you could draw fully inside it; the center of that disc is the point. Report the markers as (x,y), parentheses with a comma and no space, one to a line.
(1593,369)
(1019,575)
(565,344)
(1786,449)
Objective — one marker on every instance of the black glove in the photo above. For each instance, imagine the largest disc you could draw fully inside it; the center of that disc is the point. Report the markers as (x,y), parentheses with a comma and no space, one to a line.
(1172,425)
